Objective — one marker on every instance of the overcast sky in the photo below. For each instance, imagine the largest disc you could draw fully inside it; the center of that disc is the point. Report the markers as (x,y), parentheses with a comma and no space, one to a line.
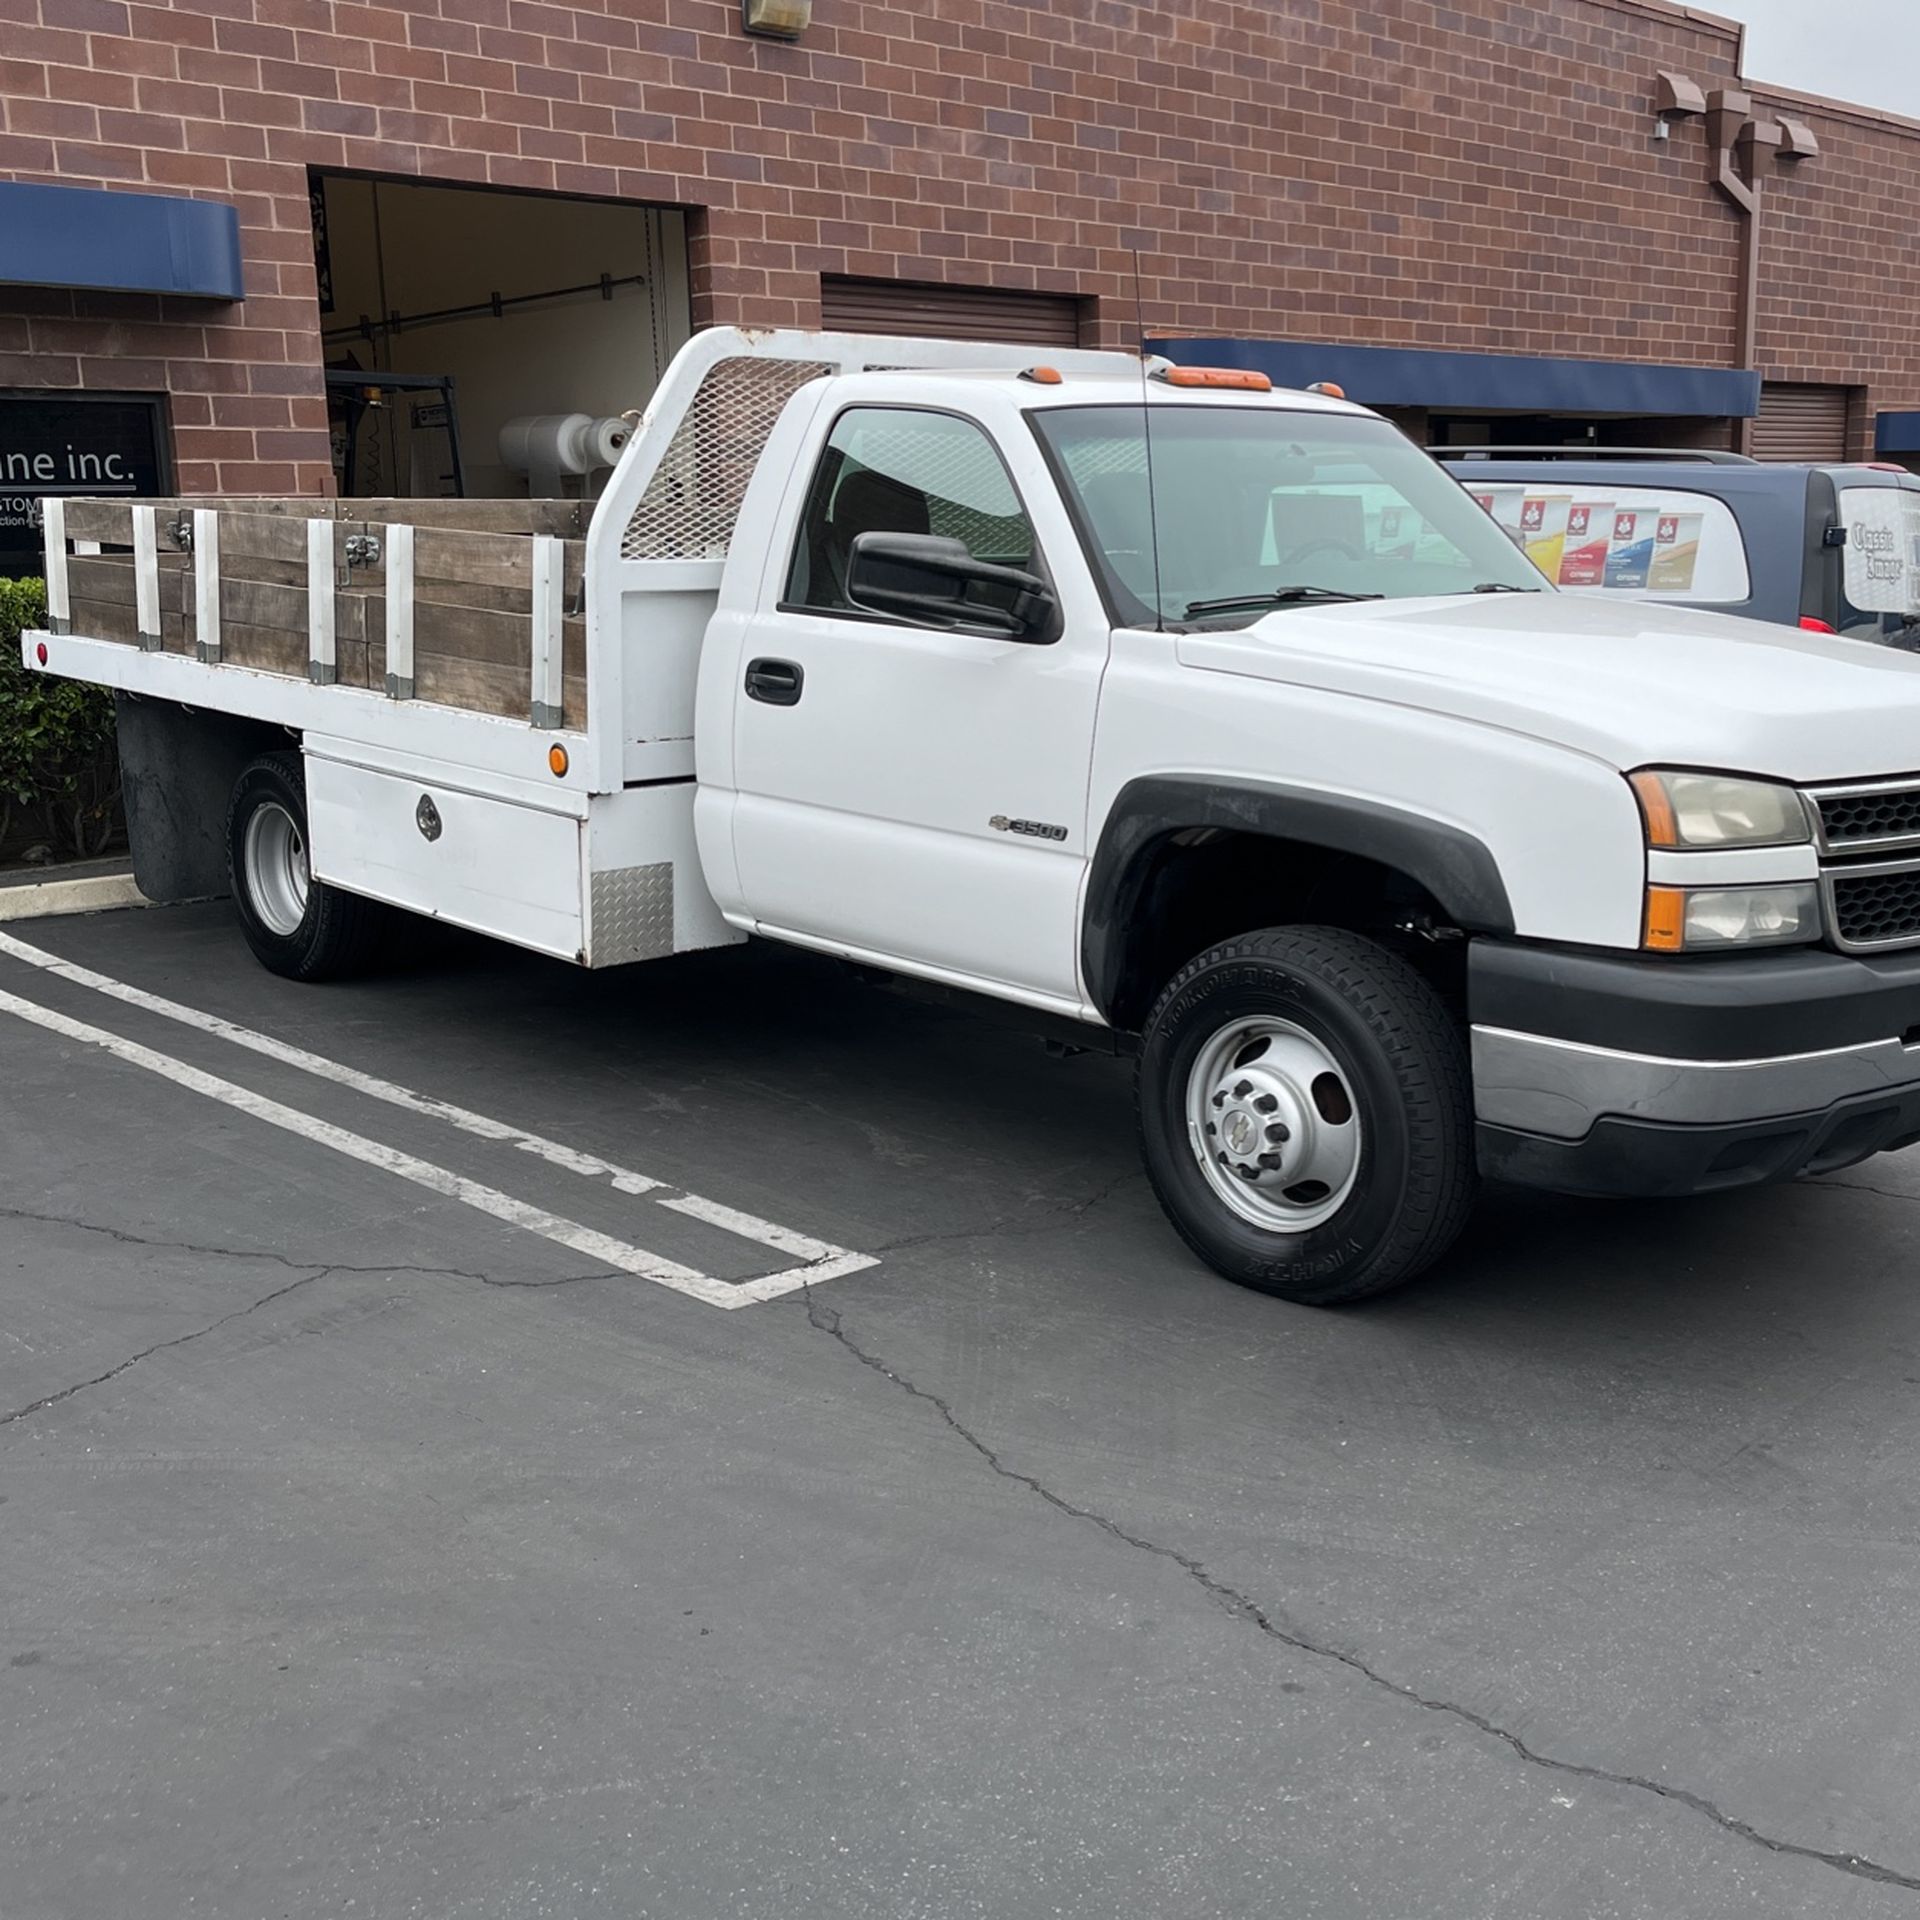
(1862,50)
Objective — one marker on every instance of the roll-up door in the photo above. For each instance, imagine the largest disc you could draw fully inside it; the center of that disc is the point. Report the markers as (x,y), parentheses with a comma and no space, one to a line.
(1801,422)
(949,313)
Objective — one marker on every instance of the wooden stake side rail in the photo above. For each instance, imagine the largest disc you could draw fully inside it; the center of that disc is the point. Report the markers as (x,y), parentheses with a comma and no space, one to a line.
(474,604)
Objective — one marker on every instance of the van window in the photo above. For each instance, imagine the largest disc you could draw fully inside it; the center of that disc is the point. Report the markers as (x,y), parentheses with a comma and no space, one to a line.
(1633,543)
(1882,556)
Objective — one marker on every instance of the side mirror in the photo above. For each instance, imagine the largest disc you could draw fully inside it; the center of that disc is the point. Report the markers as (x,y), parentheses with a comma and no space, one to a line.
(929,580)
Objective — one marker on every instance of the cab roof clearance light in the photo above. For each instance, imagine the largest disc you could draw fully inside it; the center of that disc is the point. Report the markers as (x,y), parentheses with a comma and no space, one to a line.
(1229,377)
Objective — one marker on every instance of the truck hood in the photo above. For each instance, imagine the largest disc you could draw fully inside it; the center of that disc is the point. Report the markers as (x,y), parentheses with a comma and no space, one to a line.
(1633,684)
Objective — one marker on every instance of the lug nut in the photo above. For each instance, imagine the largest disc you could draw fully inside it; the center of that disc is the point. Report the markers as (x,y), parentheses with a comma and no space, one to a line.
(1265,1104)
(1243,1089)
(1211,1129)
(1248,1173)
(1219,1099)
(1271,1162)
(1278,1132)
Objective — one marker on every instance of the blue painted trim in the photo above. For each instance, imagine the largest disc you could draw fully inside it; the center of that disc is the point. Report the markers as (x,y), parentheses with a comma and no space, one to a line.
(108,241)
(1897,433)
(1478,382)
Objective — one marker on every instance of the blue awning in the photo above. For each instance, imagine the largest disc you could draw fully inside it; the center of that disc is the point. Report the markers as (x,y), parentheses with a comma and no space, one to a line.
(110,241)
(1482,382)
(1897,433)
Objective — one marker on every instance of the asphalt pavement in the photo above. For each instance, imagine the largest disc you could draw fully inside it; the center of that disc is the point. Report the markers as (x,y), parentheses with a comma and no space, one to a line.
(720,1440)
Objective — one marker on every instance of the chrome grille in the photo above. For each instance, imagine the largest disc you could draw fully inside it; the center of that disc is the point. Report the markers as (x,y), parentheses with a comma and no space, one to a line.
(1871,817)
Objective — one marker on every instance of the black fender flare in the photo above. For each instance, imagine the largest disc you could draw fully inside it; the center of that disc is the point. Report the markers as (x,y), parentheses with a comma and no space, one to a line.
(1455,868)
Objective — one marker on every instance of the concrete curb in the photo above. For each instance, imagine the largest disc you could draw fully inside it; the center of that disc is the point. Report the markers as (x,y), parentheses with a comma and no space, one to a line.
(89,893)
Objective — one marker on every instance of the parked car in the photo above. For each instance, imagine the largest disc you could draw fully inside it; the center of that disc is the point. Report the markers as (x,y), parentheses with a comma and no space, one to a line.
(1214,722)
(1834,549)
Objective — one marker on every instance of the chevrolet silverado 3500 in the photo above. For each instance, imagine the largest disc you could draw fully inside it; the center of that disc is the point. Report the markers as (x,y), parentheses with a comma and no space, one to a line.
(1217,722)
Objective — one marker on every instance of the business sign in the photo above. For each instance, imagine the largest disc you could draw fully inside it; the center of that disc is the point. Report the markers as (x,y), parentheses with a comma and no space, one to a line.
(70,443)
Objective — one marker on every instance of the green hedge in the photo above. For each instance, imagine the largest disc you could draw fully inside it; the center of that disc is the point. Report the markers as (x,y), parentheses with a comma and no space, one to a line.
(59,772)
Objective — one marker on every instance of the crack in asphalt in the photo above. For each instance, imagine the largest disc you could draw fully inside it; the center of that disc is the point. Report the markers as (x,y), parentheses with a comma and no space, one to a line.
(163,1246)
(306,1269)
(1051,1222)
(1241,1606)
(1858,1186)
(297,1266)
(160,1346)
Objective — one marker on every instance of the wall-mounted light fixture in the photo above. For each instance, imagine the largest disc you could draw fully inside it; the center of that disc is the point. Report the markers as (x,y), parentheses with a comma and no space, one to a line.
(1676,98)
(776,19)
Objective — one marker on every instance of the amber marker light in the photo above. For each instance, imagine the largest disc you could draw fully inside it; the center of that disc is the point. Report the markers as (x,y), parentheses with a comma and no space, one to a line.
(1666,920)
(557,760)
(1215,377)
(1656,808)
(1044,376)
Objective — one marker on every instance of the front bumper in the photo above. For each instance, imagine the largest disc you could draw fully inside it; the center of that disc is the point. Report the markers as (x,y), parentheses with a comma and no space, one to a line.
(1602,1074)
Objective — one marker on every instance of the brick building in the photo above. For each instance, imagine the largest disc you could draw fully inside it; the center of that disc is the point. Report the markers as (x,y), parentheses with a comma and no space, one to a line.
(1473,214)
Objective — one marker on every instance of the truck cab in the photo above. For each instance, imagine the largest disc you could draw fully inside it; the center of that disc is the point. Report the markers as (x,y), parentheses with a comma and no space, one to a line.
(1204,722)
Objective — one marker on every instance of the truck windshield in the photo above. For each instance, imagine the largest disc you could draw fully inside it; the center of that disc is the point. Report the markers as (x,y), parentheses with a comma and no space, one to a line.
(1261,510)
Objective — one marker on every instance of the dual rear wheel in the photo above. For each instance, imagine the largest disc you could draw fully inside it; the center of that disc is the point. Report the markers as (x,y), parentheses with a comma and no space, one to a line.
(296,925)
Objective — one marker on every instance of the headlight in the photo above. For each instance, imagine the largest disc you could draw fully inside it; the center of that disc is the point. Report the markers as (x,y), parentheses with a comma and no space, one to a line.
(1719,810)
(1694,919)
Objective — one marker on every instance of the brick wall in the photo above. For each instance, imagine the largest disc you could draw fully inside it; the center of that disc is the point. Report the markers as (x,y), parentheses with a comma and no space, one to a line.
(1475,175)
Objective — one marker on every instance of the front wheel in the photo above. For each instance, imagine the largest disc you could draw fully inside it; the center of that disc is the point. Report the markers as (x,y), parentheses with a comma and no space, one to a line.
(296,925)
(1306,1114)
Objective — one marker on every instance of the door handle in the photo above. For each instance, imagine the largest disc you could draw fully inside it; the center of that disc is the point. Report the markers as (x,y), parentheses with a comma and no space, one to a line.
(775,683)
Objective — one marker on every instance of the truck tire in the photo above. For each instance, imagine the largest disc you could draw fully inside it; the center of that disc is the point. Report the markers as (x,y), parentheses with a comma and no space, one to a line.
(296,925)
(1306,1114)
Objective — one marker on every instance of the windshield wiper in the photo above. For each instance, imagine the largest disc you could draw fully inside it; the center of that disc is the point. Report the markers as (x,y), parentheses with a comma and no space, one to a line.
(1279,597)
(1500,586)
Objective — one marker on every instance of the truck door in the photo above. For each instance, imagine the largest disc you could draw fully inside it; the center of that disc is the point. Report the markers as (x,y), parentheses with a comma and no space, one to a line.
(911,791)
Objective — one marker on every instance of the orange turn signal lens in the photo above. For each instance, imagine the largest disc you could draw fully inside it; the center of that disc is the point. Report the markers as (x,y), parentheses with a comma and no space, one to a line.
(1215,377)
(1656,808)
(1043,376)
(1666,919)
(557,760)
(1330,388)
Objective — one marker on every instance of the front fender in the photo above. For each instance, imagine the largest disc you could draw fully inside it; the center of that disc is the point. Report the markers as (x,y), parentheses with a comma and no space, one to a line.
(1458,870)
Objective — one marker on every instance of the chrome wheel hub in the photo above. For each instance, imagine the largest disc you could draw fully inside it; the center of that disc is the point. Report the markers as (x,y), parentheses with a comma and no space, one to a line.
(277,875)
(1273,1123)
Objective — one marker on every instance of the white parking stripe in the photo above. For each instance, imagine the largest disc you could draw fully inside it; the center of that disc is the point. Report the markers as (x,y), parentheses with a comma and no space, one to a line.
(323,1068)
(423,1173)
(751,1227)
(818,1255)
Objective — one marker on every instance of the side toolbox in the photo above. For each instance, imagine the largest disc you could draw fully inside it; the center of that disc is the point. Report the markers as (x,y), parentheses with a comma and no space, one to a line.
(419,837)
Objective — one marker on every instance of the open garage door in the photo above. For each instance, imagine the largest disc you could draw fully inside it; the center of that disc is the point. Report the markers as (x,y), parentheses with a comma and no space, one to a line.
(1801,422)
(452,313)
(949,313)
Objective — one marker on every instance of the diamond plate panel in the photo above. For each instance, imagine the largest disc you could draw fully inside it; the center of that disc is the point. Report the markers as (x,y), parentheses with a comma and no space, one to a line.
(632,914)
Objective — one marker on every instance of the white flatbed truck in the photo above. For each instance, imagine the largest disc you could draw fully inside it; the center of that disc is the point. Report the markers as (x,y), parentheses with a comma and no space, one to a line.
(1216,723)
